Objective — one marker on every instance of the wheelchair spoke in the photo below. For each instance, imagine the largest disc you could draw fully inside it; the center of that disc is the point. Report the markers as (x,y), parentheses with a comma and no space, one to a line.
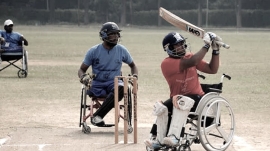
(210,128)
(223,133)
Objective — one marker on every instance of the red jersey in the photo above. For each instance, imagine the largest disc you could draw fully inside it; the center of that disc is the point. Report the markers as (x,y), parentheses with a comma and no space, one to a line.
(181,82)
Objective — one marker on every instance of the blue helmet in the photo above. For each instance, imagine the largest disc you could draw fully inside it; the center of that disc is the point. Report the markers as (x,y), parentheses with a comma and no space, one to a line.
(107,28)
(171,39)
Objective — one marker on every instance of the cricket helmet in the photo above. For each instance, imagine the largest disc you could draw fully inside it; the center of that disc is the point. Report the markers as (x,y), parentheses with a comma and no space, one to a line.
(172,39)
(107,28)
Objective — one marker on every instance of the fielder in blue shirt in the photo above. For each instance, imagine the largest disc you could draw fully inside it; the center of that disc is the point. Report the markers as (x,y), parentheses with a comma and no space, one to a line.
(106,61)
(11,41)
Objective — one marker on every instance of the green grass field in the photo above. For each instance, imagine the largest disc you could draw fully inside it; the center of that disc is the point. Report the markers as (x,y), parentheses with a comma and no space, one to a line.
(56,52)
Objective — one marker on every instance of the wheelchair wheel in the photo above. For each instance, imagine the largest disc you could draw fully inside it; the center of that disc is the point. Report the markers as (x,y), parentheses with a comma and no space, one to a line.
(184,148)
(161,149)
(216,124)
(81,106)
(22,73)
(86,129)
(130,129)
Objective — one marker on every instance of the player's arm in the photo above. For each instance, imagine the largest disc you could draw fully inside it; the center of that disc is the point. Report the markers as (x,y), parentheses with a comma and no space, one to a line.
(82,70)
(24,41)
(134,69)
(195,59)
(213,65)
(2,40)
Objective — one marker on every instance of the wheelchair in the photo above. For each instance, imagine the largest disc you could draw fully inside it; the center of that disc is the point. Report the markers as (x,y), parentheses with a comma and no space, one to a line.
(13,57)
(212,124)
(92,103)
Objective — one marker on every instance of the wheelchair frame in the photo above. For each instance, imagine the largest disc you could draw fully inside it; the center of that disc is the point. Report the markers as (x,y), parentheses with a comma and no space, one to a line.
(95,103)
(204,125)
(13,57)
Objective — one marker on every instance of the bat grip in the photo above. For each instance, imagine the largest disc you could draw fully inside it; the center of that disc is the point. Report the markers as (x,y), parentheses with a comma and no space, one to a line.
(223,44)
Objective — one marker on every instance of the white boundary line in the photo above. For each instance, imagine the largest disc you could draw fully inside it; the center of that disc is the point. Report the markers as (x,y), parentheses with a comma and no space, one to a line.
(241,142)
(2,141)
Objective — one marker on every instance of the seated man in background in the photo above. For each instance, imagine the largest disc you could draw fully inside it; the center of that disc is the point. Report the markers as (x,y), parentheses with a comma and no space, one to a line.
(11,41)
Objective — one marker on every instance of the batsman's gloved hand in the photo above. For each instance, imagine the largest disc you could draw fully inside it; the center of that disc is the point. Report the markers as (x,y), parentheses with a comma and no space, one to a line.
(84,79)
(209,37)
(215,46)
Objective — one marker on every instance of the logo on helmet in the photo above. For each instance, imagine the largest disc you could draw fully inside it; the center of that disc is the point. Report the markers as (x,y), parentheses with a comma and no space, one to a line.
(114,27)
(178,37)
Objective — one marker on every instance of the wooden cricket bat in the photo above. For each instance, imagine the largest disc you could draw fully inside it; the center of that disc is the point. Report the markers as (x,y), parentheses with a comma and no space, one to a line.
(184,25)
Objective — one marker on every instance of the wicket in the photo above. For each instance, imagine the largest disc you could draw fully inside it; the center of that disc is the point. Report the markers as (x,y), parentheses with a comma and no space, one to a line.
(116,104)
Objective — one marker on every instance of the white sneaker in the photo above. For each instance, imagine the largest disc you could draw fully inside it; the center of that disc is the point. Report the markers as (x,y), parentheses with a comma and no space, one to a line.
(171,140)
(97,121)
(152,144)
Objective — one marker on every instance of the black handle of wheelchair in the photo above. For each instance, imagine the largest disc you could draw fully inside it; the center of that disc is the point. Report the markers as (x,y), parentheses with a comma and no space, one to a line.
(227,76)
(201,76)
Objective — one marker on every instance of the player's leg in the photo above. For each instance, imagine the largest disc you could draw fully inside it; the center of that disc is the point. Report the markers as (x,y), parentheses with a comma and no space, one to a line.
(160,126)
(169,105)
(179,119)
(106,106)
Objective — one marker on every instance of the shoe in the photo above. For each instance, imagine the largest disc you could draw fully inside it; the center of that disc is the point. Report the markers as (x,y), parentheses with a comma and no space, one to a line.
(152,144)
(152,137)
(171,140)
(97,121)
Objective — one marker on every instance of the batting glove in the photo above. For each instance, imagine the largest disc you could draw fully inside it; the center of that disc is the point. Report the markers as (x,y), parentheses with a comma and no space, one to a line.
(209,37)
(215,47)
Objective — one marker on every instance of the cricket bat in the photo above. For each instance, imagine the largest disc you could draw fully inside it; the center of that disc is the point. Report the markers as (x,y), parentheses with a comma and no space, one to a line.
(184,25)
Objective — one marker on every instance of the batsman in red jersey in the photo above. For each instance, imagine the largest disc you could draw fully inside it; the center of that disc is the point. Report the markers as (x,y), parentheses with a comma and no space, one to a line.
(180,71)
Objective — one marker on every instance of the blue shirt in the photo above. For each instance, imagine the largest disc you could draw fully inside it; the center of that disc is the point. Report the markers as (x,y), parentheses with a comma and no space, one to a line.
(106,64)
(12,39)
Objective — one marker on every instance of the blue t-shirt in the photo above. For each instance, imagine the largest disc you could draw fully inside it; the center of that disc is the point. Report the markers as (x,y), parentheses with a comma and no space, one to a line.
(106,64)
(12,39)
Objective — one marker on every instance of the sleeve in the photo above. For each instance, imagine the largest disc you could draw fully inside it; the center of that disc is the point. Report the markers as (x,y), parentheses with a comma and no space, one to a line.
(18,36)
(88,57)
(126,56)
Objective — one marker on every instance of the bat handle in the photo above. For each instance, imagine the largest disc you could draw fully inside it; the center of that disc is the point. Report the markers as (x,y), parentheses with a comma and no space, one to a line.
(223,44)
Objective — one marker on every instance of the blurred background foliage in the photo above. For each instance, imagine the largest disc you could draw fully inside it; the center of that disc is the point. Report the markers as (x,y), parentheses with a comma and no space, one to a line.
(204,13)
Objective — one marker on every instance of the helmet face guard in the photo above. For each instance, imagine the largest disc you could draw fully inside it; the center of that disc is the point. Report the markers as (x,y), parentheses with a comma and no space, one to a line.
(108,31)
(172,39)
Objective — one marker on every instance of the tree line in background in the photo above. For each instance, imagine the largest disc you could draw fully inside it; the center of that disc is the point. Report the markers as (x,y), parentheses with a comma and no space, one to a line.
(218,13)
